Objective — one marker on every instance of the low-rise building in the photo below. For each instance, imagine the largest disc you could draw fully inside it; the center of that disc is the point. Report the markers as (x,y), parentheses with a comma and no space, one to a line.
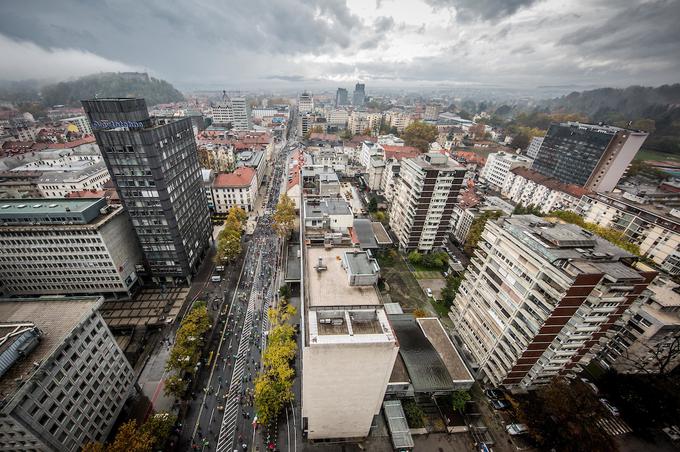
(527,187)
(255,160)
(333,214)
(237,189)
(63,377)
(655,228)
(648,341)
(368,151)
(360,122)
(81,122)
(67,246)
(539,299)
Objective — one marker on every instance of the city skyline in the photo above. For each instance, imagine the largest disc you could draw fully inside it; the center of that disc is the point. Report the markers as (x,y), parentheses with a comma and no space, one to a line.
(382,43)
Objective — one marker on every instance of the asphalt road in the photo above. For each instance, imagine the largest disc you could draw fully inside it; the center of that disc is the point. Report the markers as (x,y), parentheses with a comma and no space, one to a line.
(220,413)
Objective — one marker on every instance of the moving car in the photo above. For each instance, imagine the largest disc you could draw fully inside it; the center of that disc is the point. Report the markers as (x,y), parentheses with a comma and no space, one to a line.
(216,278)
(516,429)
(611,408)
(219,269)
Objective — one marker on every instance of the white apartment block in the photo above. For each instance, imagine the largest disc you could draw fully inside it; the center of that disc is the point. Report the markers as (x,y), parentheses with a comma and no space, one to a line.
(649,338)
(539,299)
(534,146)
(654,228)
(234,111)
(67,246)
(389,179)
(81,122)
(349,347)
(360,122)
(424,199)
(63,377)
(498,166)
(531,188)
(338,118)
(375,173)
(369,150)
(399,120)
(306,103)
(465,216)
(237,189)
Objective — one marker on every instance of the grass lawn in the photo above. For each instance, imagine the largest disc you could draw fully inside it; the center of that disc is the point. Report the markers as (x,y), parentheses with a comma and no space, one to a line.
(647,154)
(427,274)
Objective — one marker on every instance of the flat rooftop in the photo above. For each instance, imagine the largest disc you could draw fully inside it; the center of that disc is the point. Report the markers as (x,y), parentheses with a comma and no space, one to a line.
(56,317)
(343,326)
(48,206)
(360,263)
(315,208)
(381,235)
(330,287)
(434,332)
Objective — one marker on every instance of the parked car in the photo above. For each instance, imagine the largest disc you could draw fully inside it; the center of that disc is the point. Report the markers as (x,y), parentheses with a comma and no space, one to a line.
(494,394)
(219,268)
(611,408)
(499,404)
(429,292)
(516,429)
(216,278)
(673,432)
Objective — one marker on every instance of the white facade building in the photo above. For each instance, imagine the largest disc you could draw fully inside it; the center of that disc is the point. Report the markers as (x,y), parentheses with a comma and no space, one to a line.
(369,150)
(237,189)
(534,146)
(498,166)
(234,111)
(360,121)
(306,103)
(531,188)
(81,122)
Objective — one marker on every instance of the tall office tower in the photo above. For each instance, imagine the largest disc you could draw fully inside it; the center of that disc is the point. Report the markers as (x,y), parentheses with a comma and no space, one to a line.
(426,194)
(154,165)
(539,299)
(341,97)
(359,97)
(305,103)
(432,112)
(67,246)
(63,378)
(349,347)
(234,112)
(534,146)
(592,156)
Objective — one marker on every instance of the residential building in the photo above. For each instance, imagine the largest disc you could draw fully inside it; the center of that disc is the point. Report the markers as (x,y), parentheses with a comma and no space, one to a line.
(333,214)
(369,150)
(306,103)
(375,171)
(237,189)
(341,97)
(592,156)
(234,111)
(360,122)
(527,187)
(655,228)
(399,120)
(81,123)
(255,160)
(63,377)
(432,112)
(207,177)
(67,246)
(647,341)
(498,166)
(320,180)
(534,145)
(539,298)
(338,118)
(348,345)
(153,163)
(359,96)
(425,196)
(390,140)
(465,215)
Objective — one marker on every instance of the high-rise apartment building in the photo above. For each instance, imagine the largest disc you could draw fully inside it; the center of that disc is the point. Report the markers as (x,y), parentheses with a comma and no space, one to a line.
(349,347)
(426,193)
(305,103)
(359,96)
(540,298)
(63,377)
(341,97)
(81,123)
(154,165)
(233,111)
(534,146)
(432,112)
(592,156)
(498,166)
(67,246)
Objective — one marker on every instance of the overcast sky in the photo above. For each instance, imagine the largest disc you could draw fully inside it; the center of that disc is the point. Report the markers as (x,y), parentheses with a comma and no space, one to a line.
(251,43)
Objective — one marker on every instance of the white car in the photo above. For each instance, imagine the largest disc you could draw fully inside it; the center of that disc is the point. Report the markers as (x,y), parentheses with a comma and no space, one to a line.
(611,408)
(428,291)
(516,429)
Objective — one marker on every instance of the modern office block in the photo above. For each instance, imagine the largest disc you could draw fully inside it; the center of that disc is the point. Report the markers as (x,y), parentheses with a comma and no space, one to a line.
(426,194)
(154,165)
(359,96)
(63,378)
(540,298)
(341,97)
(592,156)
(67,246)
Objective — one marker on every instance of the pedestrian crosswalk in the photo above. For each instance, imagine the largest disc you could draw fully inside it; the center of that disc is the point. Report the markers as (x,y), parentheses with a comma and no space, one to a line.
(614,426)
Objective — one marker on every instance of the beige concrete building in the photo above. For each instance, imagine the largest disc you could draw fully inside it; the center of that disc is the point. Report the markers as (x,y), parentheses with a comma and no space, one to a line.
(540,298)
(649,340)
(349,347)
(655,228)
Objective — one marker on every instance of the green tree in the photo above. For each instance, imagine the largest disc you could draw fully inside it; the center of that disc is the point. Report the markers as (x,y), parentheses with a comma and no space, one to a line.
(476,229)
(618,238)
(459,399)
(159,426)
(415,417)
(284,217)
(450,290)
(239,214)
(228,245)
(415,258)
(373,204)
(420,135)
(284,291)
(175,386)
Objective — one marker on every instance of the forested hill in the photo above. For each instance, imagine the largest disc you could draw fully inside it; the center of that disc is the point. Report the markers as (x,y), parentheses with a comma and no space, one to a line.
(110,84)
(656,110)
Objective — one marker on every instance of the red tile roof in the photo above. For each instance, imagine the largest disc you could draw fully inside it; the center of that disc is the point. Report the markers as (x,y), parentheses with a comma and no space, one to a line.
(323,136)
(469,199)
(400,152)
(242,177)
(550,182)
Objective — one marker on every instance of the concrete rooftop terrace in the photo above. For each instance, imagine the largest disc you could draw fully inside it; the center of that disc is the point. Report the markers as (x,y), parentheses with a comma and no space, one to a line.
(330,287)
(56,317)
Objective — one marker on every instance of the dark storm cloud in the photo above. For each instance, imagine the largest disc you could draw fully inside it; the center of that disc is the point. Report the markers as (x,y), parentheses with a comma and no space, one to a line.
(490,10)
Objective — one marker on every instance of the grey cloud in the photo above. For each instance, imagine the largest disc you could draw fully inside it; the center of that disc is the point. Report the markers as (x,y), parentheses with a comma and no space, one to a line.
(287,78)
(383,24)
(491,10)
(525,49)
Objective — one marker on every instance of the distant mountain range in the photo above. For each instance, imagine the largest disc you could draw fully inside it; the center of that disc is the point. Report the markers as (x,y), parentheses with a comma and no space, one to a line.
(656,110)
(108,84)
